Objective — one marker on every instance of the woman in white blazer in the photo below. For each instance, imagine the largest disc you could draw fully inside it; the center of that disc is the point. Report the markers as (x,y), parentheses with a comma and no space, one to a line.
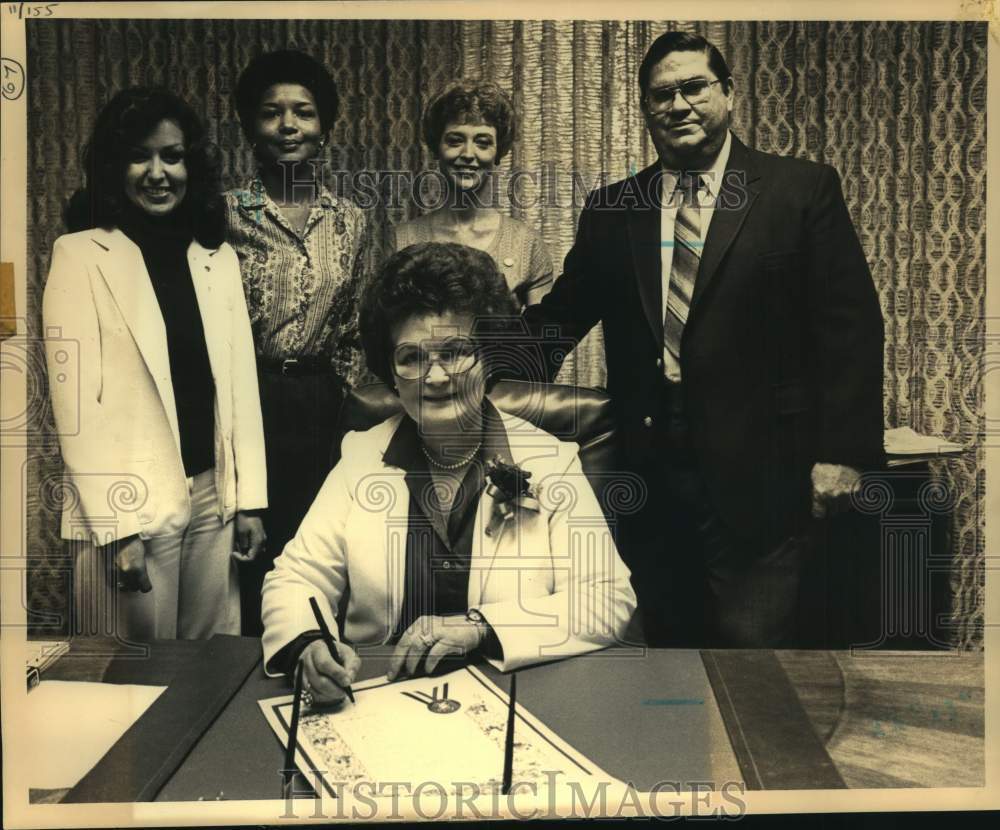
(153,382)
(451,528)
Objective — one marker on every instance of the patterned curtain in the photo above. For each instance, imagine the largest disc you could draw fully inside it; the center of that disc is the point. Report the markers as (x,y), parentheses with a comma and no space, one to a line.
(898,108)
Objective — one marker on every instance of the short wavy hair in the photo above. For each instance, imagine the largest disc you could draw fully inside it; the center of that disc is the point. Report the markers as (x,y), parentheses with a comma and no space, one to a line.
(127,119)
(470,102)
(431,278)
(286,66)
(677,41)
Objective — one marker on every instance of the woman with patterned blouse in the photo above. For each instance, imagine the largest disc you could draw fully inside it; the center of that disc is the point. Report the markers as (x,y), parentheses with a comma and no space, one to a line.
(302,253)
(469,127)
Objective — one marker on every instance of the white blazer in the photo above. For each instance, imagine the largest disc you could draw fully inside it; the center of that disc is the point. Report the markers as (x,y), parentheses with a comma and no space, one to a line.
(551,583)
(112,395)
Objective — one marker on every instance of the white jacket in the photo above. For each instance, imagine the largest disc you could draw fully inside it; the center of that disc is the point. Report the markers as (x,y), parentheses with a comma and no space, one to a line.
(550,583)
(112,395)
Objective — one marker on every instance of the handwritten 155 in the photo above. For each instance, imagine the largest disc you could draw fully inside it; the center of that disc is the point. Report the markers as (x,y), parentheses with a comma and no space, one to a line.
(23,10)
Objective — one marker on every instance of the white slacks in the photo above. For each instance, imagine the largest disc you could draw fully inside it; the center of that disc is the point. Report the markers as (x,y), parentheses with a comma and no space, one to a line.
(195,582)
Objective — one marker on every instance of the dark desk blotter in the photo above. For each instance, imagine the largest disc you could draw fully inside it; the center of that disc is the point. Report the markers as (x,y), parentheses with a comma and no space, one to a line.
(772,737)
(643,717)
(146,756)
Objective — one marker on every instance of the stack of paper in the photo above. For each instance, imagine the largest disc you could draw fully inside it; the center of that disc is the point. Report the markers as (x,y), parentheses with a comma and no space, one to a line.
(40,655)
(904,445)
(89,717)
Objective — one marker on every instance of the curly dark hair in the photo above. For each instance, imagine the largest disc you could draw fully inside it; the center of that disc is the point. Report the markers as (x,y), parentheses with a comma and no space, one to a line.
(470,102)
(125,121)
(431,278)
(287,66)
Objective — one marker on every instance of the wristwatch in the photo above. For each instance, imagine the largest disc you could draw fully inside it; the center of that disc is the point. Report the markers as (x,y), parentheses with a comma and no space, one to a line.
(475,616)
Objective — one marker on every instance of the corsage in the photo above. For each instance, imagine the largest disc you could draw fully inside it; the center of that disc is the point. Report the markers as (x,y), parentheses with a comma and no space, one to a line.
(510,491)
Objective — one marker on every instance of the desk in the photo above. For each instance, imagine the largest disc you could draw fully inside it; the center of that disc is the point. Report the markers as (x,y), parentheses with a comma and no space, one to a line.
(881,577)
(776,720)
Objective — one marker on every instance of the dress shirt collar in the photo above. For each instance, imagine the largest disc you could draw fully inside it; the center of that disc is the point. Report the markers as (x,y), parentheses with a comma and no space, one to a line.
(711,178)
(404,452)
(255,196)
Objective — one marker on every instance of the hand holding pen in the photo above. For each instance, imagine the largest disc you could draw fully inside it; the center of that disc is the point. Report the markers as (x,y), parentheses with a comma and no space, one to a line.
(329,667)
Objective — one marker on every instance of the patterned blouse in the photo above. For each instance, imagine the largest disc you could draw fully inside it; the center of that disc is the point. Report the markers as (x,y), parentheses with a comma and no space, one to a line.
(302,288)
(518,251)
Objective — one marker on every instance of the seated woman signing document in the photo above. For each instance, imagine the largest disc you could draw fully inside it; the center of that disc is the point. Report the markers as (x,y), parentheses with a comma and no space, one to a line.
(451,528)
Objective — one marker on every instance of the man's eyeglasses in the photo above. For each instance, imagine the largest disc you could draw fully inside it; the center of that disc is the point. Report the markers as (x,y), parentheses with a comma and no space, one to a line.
(456,356)
(695,91)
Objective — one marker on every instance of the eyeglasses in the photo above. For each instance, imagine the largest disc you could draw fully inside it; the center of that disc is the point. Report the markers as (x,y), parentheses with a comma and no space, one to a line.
(456,356)
(695,91)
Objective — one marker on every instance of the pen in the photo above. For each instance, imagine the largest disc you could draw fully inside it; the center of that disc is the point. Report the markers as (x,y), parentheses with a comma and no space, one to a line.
(508,746)
(293,729)
(331,644)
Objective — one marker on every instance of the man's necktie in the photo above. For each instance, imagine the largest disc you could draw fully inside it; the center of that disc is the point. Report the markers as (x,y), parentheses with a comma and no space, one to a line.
(684,265)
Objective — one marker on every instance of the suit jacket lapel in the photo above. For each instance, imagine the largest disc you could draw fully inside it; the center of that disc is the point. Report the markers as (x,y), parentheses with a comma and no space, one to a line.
(209,306)
(383,533)
(383,526)
(391,527)
(733,203)
(484,548)
(644,238)
(121,264)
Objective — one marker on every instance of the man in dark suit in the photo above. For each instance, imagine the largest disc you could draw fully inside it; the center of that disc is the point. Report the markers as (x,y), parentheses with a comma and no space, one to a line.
(743,338)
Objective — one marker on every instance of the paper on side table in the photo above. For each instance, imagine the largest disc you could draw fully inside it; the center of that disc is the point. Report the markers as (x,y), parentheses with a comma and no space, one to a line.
(906,441)
(88,717)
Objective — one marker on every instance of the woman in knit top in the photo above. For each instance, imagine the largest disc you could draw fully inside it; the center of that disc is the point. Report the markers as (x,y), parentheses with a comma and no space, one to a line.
(469,127)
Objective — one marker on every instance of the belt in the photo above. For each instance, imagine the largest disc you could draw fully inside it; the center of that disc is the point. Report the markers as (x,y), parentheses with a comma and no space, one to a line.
(295,366)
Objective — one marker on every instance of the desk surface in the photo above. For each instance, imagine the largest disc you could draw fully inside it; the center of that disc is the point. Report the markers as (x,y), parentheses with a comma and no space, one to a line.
(776,720)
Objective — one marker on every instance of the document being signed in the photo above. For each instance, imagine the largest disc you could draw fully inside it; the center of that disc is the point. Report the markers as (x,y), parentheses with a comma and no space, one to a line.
(449,730)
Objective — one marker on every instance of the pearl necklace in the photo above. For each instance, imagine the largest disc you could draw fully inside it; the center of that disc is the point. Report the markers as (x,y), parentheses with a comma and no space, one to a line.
(457,466)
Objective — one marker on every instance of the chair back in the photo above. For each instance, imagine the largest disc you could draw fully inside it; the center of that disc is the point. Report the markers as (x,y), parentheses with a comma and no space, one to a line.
(572,413)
